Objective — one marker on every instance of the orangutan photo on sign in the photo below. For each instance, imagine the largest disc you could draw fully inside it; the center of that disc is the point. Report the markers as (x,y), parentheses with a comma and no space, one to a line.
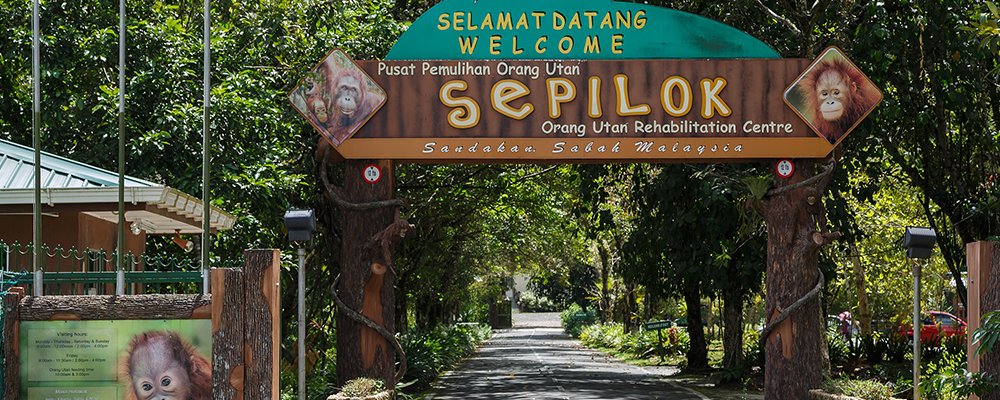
(160,365)
(337,97)
(833,95)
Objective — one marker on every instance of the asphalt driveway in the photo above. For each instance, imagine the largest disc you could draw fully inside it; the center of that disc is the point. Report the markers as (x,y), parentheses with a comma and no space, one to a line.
(537,360)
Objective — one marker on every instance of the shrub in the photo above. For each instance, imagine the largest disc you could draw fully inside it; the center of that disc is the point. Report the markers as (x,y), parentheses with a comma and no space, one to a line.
(429,353)
(863,389)
(530,302)
(609,335)
(753,351)
(948,379)
(837,347)
(637,344)
(362,387)
(874,347)
(897,346)
(574,319)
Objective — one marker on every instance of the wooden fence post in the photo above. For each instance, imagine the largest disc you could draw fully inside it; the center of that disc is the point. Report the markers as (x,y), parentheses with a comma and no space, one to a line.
(12,368)
(228,367)
(984,296)
(262,330)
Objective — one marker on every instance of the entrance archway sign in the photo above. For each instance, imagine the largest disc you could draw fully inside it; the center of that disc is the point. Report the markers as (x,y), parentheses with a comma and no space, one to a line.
(518,81)
(595,81)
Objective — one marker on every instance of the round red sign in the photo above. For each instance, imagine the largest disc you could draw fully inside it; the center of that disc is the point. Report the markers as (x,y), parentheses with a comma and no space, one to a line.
(784,168)
(372,173)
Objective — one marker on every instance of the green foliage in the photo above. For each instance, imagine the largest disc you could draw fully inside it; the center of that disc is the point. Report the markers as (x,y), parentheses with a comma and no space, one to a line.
(948,379)
(880,221)
(753,351)
(563,287)
(362,387)
(530,302)
(988,333)
(477,227)
(874,347)
(575,319)
(987,26)
(897,346)
(635,344)
(431,352)
(862,389)
(837,347)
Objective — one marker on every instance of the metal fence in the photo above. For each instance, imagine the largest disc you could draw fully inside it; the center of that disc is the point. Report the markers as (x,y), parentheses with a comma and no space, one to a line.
(82,271)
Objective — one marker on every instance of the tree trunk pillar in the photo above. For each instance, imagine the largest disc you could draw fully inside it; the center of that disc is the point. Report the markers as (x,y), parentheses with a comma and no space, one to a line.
(794,361)
(732,342)
(365,287)
(697,355)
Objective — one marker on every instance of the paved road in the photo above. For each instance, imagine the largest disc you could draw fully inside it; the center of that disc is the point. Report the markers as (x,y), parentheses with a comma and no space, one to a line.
(536,360)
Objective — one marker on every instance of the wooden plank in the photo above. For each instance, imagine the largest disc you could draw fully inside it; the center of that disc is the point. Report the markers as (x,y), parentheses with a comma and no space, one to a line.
(228,365)
(978,256)
(262,333)
(12,367)
(140,306)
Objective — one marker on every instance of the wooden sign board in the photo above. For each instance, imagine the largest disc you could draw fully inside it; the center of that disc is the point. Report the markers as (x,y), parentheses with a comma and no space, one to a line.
(569,81)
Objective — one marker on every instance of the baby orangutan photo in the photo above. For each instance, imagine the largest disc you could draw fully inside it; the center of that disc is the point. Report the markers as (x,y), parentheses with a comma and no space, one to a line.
(160,365)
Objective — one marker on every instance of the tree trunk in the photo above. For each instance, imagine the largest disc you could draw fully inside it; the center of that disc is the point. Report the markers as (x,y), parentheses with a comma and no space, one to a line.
(697,355)
(990,362)
(356,271)
(732,336)
(864,311)
(605,291)
(794,348)
(630,301)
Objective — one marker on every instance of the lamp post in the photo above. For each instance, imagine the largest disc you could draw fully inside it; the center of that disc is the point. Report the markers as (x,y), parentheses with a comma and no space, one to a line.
(300,225)
(919,244)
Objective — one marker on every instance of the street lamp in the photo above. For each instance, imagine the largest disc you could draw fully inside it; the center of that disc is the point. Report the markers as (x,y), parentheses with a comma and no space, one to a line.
(300,225)
(919,244)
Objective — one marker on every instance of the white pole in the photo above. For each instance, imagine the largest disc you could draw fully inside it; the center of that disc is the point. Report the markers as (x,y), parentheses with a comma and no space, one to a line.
(206,140)
(916,330)
(36,97)
(120,275)
(302,323)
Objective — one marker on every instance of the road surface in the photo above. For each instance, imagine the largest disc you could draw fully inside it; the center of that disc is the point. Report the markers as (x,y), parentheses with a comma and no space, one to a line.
(537,360)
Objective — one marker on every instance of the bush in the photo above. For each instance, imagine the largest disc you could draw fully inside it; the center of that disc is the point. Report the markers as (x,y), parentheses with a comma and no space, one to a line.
(574,319)
(874,346)
(362,387)
(753,351)
(429,353)
(837,347)
(530,302)
(609,335)
(862,389)
(897,346)
(637,344)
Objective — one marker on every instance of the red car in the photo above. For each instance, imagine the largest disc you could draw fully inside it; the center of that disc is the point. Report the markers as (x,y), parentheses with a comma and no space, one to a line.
(937,324)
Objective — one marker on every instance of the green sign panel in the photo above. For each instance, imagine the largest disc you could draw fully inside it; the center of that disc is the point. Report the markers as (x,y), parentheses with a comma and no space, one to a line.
(569,29)
(109,360)
(657,325)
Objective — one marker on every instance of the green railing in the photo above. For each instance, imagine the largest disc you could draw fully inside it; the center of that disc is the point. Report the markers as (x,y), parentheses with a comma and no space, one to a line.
(76,271)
